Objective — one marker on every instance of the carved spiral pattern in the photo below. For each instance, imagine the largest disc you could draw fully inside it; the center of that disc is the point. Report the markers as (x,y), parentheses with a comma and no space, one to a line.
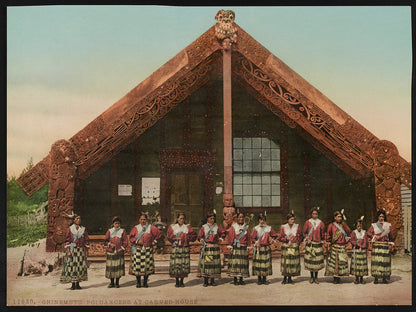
(294,109)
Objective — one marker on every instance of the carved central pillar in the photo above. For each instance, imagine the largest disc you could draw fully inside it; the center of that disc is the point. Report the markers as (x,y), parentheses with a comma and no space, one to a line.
(226,33)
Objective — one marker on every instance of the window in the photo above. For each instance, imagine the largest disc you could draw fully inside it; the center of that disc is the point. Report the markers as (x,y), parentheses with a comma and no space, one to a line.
(256,172)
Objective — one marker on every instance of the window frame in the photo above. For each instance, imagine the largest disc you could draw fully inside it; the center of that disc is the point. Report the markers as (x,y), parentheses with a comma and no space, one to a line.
(283,173)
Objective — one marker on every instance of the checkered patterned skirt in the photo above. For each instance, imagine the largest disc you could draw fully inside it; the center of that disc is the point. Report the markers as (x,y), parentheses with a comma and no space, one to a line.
(114,266)
(238,262)
(314,256)
(262,261)
(75,267)
(210,262)
(359,265)
(290,264)
(380,260)
(337,261)
(142,262)
(180,264)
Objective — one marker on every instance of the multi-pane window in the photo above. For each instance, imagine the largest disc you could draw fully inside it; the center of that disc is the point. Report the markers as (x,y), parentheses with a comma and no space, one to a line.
(256,172)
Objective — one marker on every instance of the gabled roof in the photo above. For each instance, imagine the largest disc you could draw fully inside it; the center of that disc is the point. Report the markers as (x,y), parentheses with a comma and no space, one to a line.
(301,106)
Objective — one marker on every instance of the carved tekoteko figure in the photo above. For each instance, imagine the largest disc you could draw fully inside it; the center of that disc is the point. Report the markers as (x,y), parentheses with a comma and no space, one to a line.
(228,212)
(225,29)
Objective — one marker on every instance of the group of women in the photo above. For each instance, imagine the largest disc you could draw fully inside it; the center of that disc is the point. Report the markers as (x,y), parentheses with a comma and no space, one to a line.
(239,239)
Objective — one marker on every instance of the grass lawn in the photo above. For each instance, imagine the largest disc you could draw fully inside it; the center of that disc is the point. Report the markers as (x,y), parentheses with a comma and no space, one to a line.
(22,235)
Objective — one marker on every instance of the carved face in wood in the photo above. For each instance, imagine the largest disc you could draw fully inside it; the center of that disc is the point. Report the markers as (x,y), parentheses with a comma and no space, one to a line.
(228,200)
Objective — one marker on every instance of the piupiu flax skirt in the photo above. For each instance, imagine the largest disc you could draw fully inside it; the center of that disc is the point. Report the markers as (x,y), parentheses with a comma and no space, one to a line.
(238,262)
(314,256)
(380,260)
(180,264)
(114,266)
(142,262)
(290,264)
(210,262)
(359,265)
(337,261)
(262,261)
(75,267)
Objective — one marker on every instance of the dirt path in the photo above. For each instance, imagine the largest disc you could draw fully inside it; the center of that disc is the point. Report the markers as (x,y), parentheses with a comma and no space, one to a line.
(46,290)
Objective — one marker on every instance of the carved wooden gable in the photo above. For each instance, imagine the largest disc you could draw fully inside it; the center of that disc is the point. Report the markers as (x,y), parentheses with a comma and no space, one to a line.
(302,107)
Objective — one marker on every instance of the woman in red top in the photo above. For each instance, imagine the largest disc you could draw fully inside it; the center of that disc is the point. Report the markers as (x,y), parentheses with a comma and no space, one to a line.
(75,261)
(115,243)
(291,236)
(143,236)
(337,238)
(359,266)
(210,260)
(180,234)
(314,234)
(381,236)
(262,237)
(238,241)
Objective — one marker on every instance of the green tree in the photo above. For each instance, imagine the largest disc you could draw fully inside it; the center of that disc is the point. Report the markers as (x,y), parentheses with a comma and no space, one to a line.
(18,202)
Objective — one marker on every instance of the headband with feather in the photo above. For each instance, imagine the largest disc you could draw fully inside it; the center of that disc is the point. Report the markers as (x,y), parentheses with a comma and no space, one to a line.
(343,215)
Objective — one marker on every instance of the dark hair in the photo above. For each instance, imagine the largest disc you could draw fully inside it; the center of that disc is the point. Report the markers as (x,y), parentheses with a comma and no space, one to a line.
(290,215)
(383,213)
(261,217)
(116,218)
(211,214)
(314,209)
(180,214)
(338,213)
(358,221)
(143,214)
(241,213)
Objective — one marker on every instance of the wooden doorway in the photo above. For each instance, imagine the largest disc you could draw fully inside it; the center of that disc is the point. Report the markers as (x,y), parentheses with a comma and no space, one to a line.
(185,193)
(186,184)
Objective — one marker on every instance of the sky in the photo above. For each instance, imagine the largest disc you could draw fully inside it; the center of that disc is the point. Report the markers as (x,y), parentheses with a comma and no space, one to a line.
(68,64)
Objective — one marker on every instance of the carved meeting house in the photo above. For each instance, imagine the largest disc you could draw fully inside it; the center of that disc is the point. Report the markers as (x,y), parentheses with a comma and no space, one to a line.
(224,117)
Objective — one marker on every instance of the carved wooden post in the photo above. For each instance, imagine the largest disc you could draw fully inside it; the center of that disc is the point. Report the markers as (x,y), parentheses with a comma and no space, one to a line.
(226,33)
(387,177)
(62,177)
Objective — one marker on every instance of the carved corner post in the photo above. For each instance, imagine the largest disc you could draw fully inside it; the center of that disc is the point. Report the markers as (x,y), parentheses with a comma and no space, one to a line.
(387,177)
(226,33)
(61,194)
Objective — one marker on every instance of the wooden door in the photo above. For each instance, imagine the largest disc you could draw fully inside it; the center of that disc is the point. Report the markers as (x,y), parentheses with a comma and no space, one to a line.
(187,196)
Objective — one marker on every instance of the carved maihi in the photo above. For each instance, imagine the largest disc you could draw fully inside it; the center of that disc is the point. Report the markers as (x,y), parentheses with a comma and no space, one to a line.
(225,27)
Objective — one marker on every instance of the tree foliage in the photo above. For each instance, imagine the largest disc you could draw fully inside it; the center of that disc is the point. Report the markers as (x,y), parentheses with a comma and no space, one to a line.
(18,202)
